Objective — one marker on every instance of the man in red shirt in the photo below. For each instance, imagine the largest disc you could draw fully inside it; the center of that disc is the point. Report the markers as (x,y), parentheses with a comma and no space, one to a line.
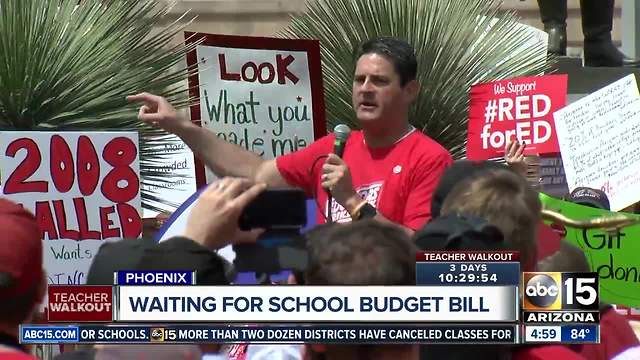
(389,169)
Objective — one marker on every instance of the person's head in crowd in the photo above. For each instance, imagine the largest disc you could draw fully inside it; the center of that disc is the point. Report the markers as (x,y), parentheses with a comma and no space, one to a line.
(505,200)
(364,252)
(459,232)
(590,197)
(339,253)
(22,278)
(146,254)
(460,170)
(617,339)
(148,352)
(570,257)
(384,83)
(496,210)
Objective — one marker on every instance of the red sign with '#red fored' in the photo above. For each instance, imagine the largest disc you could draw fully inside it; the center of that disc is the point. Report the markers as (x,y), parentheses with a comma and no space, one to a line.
(517,109)
(80,303)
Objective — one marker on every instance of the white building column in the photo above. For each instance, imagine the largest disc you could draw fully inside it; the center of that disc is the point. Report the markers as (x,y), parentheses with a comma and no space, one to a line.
(631,28)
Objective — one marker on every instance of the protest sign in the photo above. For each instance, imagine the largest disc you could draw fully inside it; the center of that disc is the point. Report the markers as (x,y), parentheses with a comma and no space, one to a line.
(552,178)
(173,179)
(612,254)
(517,109)
(83,188)
(262,94)
(599,138)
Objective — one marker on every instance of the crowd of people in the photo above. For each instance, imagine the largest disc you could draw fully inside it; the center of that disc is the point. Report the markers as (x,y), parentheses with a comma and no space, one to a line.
(394,191)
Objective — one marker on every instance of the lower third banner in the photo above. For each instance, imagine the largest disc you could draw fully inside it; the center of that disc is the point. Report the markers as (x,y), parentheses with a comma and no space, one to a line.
(286,334)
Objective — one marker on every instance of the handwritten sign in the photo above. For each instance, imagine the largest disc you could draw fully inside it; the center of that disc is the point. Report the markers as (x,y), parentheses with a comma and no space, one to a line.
(599,138)
(176,168)
(262,94)
(517,109)
(83,188)
(612,255)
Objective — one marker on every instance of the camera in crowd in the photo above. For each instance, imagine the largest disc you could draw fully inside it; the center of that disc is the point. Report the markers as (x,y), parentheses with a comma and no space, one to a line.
(282,213)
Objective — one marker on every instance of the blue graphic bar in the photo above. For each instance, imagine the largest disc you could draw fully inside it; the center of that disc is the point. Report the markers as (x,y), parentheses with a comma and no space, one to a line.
(468,274)
(273,334)
(32,334)
(580,334)
(168,277)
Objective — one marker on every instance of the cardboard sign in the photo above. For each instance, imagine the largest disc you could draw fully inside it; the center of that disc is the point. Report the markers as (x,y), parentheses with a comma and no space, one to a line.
(613,255)
(599,138)
(517,109)
(83,188)
(262,94)
(552,178)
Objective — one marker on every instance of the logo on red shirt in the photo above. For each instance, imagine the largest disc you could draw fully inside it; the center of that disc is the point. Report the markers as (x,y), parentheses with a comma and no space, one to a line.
(369,192)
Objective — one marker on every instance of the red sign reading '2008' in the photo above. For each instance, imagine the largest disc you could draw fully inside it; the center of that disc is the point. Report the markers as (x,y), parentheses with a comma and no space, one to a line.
(83,188)
(82,167)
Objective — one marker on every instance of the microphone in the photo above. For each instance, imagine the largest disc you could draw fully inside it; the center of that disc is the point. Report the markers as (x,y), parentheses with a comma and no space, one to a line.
(341,132)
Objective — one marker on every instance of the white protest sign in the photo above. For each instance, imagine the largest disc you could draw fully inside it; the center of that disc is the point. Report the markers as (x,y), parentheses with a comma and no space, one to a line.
(258,95)
(83,188)
(599,137)
(174,178)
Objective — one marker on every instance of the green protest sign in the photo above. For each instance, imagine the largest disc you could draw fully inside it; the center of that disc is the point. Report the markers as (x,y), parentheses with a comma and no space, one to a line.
(615,256)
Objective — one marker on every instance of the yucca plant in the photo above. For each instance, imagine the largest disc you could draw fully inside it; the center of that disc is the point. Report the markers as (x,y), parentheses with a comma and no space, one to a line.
(68,65)
(458,43)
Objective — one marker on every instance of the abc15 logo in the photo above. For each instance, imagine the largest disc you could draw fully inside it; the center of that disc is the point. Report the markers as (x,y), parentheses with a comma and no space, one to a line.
(157,335)
(560,291)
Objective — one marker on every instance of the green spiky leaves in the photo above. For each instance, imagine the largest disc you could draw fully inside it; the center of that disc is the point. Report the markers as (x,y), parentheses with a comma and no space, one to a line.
(66,65)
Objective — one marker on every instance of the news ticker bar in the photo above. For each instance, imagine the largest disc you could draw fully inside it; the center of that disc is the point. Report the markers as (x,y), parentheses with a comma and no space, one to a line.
(589,334)
(272,334)
(468,274)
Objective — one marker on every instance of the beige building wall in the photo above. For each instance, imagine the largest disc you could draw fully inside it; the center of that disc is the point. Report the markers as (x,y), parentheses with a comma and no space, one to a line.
(267,17)
(239,17)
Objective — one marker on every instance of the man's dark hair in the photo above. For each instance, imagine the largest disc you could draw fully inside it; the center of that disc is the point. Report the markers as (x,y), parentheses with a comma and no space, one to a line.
(399,52)
(363,252)
(360,253)
(461,170)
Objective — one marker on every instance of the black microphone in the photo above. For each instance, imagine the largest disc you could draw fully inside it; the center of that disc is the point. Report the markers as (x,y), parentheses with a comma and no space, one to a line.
(341,132)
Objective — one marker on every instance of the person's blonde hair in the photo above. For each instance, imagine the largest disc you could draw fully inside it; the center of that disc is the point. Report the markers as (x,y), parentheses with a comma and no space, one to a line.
(506,200)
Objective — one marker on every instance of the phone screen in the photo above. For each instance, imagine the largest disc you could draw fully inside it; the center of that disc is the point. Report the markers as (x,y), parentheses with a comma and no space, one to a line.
(276,209)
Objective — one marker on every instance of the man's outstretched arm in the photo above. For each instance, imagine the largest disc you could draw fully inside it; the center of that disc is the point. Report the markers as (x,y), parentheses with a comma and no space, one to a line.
(223,158)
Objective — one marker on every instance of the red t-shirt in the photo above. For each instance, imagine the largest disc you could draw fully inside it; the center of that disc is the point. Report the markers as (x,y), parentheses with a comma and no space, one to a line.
(397,180)
(546,352)
(6,354)
(616,336)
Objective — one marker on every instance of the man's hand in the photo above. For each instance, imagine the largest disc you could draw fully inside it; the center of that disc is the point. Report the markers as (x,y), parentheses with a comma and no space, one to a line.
(213,221)
(157,112)
(514,156)
(336,178)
